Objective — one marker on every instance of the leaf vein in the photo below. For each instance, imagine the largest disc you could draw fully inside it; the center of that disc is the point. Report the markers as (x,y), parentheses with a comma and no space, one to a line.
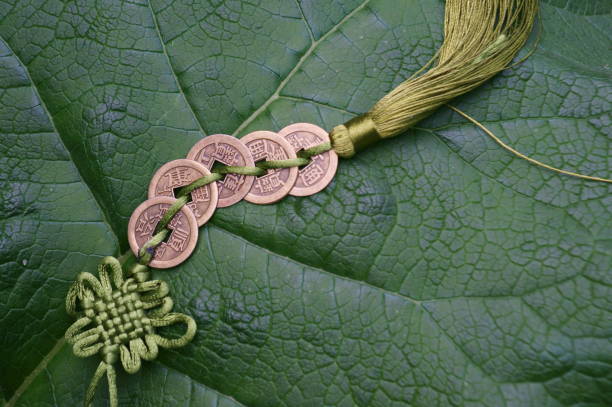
(275,95)
(172,69)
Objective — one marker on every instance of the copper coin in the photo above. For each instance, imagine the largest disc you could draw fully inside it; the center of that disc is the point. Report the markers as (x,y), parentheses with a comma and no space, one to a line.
(318,174)
(276,183)
(183,232)
(179,173)
(226,150)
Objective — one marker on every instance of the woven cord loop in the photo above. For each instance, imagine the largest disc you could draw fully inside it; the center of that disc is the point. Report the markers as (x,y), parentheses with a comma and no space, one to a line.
(103,368)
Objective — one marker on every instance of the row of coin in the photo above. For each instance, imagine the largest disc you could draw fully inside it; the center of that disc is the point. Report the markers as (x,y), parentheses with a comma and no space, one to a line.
(230,151)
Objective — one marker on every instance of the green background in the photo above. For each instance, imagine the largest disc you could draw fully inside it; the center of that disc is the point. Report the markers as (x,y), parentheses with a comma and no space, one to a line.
(435,270)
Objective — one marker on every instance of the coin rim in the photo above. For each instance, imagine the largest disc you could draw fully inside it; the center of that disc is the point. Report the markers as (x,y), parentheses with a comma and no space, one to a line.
(234,199)
(333,158)
(184,162)
(191,219)
(293,171)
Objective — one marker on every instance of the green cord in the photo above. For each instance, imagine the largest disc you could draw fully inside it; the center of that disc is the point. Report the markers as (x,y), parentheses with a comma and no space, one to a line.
(209,179)
(146,252)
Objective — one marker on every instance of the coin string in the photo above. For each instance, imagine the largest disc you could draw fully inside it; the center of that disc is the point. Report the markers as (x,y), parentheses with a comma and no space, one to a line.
(117,316)
(146,252)
(161,232)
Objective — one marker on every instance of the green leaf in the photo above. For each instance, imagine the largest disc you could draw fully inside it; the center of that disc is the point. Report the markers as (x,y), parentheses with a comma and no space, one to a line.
(437,269)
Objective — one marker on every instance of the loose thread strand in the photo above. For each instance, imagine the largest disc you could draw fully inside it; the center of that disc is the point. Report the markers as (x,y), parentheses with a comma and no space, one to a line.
(523,156)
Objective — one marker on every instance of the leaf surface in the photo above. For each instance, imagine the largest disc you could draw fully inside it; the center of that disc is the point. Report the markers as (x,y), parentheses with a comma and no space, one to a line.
(435,270)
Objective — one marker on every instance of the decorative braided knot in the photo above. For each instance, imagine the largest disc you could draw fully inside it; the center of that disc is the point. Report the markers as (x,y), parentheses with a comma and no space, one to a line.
(120,316)
(117,318)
